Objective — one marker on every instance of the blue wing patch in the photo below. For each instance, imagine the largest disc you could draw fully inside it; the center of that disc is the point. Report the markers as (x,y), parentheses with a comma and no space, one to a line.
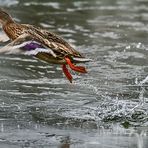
(33,48)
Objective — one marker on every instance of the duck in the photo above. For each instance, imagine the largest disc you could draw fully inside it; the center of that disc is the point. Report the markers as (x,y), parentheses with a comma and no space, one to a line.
(40,43)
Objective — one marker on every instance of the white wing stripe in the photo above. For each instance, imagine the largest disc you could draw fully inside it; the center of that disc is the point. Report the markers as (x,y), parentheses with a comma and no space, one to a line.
(38,50)
(23,44)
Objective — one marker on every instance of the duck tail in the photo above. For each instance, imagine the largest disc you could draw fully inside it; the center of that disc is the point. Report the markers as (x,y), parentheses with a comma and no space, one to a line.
(80,60)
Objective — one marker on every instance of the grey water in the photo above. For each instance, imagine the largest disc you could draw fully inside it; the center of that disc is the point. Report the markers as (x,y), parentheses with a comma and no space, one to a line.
(105,108)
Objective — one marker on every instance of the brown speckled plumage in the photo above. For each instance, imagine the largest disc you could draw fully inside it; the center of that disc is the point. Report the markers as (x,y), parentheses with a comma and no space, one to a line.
(51,40)
(64,52)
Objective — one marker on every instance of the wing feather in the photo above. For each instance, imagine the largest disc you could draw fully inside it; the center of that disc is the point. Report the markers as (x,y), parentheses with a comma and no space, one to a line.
(26,45)
(51,40)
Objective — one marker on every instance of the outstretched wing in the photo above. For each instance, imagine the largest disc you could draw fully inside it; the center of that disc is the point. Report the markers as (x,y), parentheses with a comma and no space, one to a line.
(26,45)
(52,41)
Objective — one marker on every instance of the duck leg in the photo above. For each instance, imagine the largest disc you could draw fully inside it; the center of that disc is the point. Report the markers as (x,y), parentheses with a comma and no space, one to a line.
(67,73)
(80,69)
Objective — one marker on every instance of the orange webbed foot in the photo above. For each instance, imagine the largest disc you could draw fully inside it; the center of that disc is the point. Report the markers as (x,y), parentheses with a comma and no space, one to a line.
(67,73)
(80,69)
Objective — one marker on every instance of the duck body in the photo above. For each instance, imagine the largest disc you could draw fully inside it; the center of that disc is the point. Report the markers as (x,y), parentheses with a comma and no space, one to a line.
(42,44)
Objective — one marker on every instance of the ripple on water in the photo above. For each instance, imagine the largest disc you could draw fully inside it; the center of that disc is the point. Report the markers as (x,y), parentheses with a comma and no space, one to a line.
(37,102)
(54,5)
(8,3)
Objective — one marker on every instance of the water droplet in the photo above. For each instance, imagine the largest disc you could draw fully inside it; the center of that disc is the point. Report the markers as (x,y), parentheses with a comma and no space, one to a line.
(128,47)
(139,45)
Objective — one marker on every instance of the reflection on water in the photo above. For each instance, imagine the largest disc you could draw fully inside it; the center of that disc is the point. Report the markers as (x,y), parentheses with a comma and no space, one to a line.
(106,107)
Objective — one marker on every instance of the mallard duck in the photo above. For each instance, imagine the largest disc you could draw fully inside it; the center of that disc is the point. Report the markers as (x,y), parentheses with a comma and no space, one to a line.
(40,43)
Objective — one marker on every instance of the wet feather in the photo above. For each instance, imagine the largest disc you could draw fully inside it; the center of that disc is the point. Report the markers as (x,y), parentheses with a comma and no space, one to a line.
(42,44)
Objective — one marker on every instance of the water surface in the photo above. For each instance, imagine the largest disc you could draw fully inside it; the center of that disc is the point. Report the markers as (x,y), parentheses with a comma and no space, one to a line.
(106,108)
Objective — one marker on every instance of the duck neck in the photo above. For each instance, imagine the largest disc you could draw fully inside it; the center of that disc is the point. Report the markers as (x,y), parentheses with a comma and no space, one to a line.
(7,20)
(8,28)
(7,23)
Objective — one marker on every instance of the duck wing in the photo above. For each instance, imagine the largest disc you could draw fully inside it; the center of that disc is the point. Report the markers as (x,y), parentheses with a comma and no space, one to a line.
(52,41)
(26,45)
